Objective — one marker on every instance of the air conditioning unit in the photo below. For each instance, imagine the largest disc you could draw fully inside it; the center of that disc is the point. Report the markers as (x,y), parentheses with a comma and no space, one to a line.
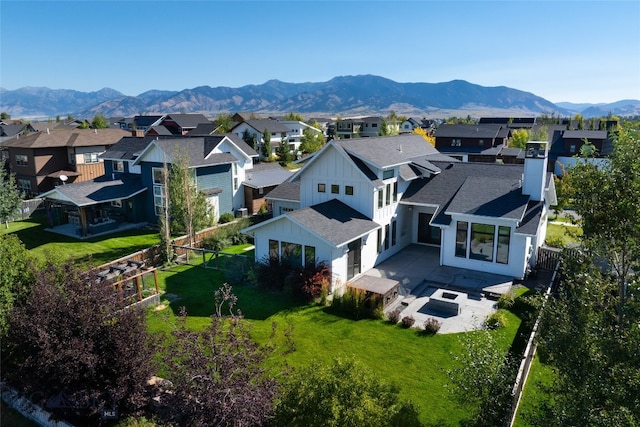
(242,212)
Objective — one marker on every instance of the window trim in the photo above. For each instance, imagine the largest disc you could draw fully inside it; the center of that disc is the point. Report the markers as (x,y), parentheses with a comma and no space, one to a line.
(322,188)
(348,190)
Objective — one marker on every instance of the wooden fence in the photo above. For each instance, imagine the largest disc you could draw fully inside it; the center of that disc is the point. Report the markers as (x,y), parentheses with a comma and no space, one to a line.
(530,350)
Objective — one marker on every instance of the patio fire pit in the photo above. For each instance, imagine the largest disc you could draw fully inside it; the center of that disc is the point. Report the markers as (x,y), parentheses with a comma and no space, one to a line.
(447,302)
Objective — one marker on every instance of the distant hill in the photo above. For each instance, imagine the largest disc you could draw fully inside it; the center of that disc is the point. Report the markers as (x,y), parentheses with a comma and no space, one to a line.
(626,107)
(344,95)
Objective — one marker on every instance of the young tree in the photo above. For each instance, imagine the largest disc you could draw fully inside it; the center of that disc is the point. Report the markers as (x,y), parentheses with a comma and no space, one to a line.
(73,347)
(423,133)
(312,141)
(283,152)
(250,139)
(482,378)
(266,144)
(99,122)
(384,129)
(10,198)
(293,116)
(519,138)
(15,274)
(225,121)
(188,207)
(5,116)
(218,373)
(343,393)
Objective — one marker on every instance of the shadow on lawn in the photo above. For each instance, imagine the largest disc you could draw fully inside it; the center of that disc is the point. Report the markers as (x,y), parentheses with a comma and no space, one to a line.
(196,286)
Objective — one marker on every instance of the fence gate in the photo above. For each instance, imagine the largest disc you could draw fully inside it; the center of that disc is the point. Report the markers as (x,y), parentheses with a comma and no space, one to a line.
(548,258)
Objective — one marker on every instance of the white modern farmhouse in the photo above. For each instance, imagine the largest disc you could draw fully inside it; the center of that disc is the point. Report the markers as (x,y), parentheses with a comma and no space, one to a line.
(359,201)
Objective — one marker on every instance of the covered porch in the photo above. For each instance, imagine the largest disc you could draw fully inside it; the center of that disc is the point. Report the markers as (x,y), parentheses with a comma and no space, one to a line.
(94,208)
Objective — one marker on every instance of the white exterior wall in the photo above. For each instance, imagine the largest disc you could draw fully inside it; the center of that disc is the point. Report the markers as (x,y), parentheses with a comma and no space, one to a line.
(80,152)
(334,168)
(518,248)
(279,206)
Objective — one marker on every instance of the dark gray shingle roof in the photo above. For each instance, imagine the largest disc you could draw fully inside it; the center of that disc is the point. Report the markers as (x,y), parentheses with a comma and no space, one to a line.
(334,221)
(266,175)
(288,190)
(99,190)
(386,151)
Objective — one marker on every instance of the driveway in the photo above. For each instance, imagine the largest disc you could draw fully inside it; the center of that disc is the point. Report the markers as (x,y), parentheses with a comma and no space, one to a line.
(419,274)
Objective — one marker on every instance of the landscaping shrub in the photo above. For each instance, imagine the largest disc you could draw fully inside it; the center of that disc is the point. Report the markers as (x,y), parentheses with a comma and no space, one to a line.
(408,321)
(555,242)
(495,320)
(309,281)
(227,236)
(271,273)
(506,300)
(357,304)
(226,217)
(394,316)
(432,326)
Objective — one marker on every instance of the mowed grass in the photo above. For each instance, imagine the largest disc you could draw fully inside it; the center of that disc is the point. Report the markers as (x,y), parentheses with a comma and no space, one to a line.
(416,363)
(535,393)
(96,250)
(568,234)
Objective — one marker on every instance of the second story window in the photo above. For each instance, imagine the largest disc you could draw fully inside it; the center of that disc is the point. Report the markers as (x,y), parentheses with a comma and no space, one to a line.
(380,198)
(335,189)
(91,157)
(322,188)
(388,198)
(456,143)
(348,190)
(22,160)
(389,173)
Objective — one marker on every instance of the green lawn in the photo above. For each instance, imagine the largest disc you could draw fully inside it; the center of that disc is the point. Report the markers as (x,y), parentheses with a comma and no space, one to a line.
(98,250)
(566,233)
(415,362)
(535,393)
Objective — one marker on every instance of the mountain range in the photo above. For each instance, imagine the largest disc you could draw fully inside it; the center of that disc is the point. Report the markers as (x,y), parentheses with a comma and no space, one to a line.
(344,95)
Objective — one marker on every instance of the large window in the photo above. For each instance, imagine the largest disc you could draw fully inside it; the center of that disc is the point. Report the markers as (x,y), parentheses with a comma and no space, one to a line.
(22,160)
(482,239)
(387,199)
(273,249)
(309,255)
(159,194)
(504,238)
(461,238)
(292,253)
(24,185)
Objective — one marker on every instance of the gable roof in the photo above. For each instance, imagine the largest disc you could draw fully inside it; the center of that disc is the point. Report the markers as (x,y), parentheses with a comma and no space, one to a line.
(388,151)
(188,120)
(199,150)
(67,138)
(204,129)
(100,190)
(270,125)
(582,134)
(128,148)
(473,188)
(288,191)
(333,222)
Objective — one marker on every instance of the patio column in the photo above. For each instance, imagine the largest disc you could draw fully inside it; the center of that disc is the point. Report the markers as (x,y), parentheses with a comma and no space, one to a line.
(83,221)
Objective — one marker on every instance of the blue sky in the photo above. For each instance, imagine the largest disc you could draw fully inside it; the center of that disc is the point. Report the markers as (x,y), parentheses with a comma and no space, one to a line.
(576,51)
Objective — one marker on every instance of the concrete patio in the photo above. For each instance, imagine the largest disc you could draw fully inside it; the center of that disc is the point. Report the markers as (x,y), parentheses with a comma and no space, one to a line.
(419,274)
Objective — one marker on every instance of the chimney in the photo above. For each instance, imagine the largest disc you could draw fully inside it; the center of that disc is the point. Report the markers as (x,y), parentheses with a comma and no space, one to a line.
(535,170)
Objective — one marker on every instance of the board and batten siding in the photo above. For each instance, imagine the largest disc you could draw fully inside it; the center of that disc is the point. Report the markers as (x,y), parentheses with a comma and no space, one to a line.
(332,168)
(219,176)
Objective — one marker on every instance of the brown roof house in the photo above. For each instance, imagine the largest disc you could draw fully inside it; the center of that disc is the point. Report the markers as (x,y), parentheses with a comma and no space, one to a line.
(43,160)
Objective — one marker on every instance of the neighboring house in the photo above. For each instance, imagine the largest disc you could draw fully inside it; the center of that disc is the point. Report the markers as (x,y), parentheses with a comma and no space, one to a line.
(181,124)
(257,127)
(566,147)
(473,143)
(361,201)
(132,189)
(205,129)
(295,134)
(259,182)
(361,127)
(510,122)
(141,123)
(42,160)
(8,131)
(409,125)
